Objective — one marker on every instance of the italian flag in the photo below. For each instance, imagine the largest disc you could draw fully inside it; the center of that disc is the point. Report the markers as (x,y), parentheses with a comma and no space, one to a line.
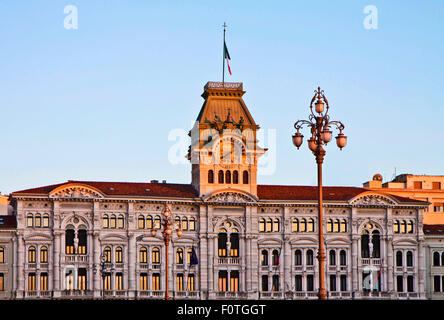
(227,56)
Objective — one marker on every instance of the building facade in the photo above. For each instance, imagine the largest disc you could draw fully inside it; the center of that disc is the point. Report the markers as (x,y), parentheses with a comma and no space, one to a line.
(89,239)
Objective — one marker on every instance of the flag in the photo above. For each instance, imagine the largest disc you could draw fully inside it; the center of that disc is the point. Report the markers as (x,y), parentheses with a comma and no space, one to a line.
(227,56)
(193,258)
(379,272)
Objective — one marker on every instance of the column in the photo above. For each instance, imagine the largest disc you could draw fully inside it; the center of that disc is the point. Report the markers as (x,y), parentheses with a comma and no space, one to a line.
(420,269)
(131,263)
(97,285)
(20,266)
(355,263)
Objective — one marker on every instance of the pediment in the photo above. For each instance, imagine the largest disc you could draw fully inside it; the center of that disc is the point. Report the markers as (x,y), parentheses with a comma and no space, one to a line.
(229,197)
(372,199)
(75,192)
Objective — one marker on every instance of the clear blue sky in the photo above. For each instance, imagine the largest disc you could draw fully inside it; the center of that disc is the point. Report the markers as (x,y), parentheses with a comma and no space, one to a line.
(98,103)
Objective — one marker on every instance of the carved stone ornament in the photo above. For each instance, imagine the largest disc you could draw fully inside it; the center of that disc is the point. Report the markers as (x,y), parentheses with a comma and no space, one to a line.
(76,192)
(373,199)
(230,197)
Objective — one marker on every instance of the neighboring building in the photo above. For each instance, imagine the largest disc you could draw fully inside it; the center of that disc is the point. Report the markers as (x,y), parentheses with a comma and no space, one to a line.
(7,249)
(252,241)
(419,187)
(434,255)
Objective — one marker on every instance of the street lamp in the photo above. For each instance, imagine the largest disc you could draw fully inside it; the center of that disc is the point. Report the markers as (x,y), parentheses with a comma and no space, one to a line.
(320,128)
(104,271)
(166,235)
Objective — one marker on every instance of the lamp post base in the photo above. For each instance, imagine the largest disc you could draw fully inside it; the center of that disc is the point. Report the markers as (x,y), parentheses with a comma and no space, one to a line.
(322,294)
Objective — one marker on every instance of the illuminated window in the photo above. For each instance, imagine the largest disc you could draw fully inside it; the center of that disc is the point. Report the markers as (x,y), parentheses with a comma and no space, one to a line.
(410,226)
(295,225)
(191,282)
(143,255)
(223,275)
(262,225)
(192,224)
(179,282)
(107,281)
(30,220)
(120,221)
(45,220)
(141,222)
(234,281)
(2,255)
(343,225)
(31,281)
(82,236)
(276,225)
(234,240)
(156,255)
(38,220)
(143,280)
(113,221)
(403,227)
(275,283)
(31,254)
(107,253)
(179,256)
(105,221)
(2,282)
(189,255)
(176,222)
(336,226)
(157,222)
(149,222)
(119,255)
(329,225)
(81,279)
(184,223)
(69,241)
(119,281)
(222,244)
(156,281)
(396,226)
(44,254)
(269,225)
(303,225)
(310,226)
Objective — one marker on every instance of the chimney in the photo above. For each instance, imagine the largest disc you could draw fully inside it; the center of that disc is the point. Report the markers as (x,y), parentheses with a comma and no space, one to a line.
(154,181)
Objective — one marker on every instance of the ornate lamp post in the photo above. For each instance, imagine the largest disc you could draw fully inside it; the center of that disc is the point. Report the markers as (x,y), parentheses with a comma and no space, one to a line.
(104,271)
(166,235)
(320,128)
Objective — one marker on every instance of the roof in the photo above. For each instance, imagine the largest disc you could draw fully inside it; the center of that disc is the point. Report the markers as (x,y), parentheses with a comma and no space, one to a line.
(176,190)
(437,229)
(8,222)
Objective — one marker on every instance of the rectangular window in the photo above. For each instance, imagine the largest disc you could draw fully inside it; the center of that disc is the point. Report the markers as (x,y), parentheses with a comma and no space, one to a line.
(332,282)
(264,283)
(82,236)
(223,275)
(417,184)
(399,284)
(2,282)
(410,286)
(275,283)
(143,281)
(437,207)
(222,244)
(298,283)
(119,281)
(69,241)
(191,283)
(436,185)
(44,282)
(2,255)
(310,282)
(437,284)
(343,282)
(156,282)
(234,281)
(31,282)
(179,282)
(81,280)
(107,283)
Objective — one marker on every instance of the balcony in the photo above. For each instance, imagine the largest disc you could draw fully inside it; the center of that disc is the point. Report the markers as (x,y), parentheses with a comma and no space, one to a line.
(87,294)
(371,261)
(150,294)
(186,294)
(271,295)
(231,295)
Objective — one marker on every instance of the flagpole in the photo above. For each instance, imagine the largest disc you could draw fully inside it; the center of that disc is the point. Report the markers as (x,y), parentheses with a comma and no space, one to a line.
(223,58)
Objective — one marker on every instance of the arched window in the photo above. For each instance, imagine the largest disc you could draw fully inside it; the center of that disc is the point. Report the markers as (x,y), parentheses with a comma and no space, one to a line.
(234,241)
(245,177)
(222,244)
(227,176)
(83,239)
(119,255)
(436,261)
(376,244)
(149,222)
(184,223)
(105,221)
(38,220)
(220,176)
(295,225)
(276,225)
(210,176)
(309,257)
(156,255)
(31,254)
(143,255)
(336,226)
(107,254)
(399,259)
(157,222)
(45,220)
(120,221)
(29,220)
(275,257)
(365,252)
(235,177)
(261,225)
(192,224)
(409,259)
(189,255)
(298,257)
(179,256)
(410,226)
(343,258)
(269,225)
(310,226)
(344,225)
(303,225)
(113,221)
(177,223)
(141,222)
(69,241)
(329,225)
(396,226)
(332,259)
(403,226)
(264,258)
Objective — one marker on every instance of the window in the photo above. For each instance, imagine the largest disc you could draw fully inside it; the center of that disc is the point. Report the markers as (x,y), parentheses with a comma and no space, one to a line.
(245,177)
(332,282)
(220,177)
(30,220)
(2,282)
(365,253)
(113,221)
(105,221)
(82,236)
(396,227)
(264,282)
(192,224)
(177,223)
(179,282)
(410,227)
(189,255)
(157,222)
(275,257)
(119,255)
(81,279)
(295,225)
(436,261)
(210,176)
(403,227)
(179,256)
(343,225)
(303,225)
(329,225)
(38,220)
(141,222)
(409,259)
(43,281)
(262,225)
(31,254)
(336,226)
(235,177)
(234,240)
(343,284)
(399,259)
(149,222)
(234,281)
(298,258)
(119,281)
(156,281)
(45,220)
(31,281)
(269,225)
(264,258)
(376,244)
(298,283)
(191,282)
(223,275)
(143,281)
(143,255)
(437,284)
(222,244)
(343,258)
(399,284)
(310,226)
(332,255)
(309,257)
(410,284)
(69,241)
(120,222)
(69,279)
(417,185)
(436,185)
(275,283)
(2,255)
(44,254)
(107,253)
(184,223)
(156,255)
(310,282)
(276,225)
(228,176)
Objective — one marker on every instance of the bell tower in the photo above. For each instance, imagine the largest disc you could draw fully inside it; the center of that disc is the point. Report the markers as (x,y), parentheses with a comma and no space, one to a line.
(224,149)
